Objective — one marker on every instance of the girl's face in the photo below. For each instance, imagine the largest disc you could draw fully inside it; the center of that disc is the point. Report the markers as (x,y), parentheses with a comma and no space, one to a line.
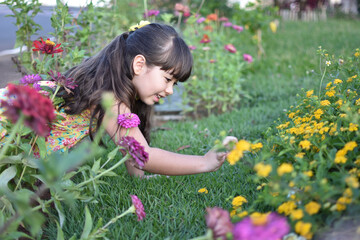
(152,83)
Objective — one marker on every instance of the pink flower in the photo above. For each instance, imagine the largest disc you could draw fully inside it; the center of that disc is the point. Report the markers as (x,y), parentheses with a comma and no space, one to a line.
(247,58)
(139,207)
(200,20)
(230,48)
(128,120)
(151,12)
(192,47)
(238,28)
(205,39)
(218,220)
(227,24)
(37,109)
(274,228)
(32,81)
(223,19)
(62,80)
(136,151)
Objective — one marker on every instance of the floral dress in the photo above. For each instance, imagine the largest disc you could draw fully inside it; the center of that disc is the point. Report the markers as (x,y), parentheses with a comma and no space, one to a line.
(65,132)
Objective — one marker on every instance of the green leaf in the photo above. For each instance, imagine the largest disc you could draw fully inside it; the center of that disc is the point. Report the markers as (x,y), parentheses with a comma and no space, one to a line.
(95,168)
(88,224)
(6,176)
(60,233)
(40,142)
(60,211)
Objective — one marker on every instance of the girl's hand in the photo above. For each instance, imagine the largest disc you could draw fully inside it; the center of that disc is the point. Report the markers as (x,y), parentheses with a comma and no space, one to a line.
(215,160)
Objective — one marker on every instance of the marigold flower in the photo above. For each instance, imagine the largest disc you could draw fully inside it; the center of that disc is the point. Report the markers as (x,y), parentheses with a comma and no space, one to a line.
(312,208)
(61,80)
(350,146)
(37,109)
(263,170)
(139,207)
(303,228)
(330,93)
(243,145)
(256,146)
(205,39)
(297,214)
(203,190)
(32,81)
(300,155)
(248,58)
(318,113)
(230,48)
(136,151)
(309,93)
(357,54)
(286,208)
(305,144)
(271,227)
(128,120)
(352,181)
(353,127)
(239,201)
(337,81)
(47,47)
(284,168)
(218,220)
(325,103)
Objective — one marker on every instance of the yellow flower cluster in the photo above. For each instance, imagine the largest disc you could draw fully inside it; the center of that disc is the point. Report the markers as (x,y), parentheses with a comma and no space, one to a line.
(263,170)
(285,168)
(237,203)
(340,156)
(259,219)
(238,152)
(304,229)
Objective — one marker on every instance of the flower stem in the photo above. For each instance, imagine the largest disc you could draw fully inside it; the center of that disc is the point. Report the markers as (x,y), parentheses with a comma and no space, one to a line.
(12,135)
(145,6)
(322,78)
(21,176)
(56,91)
(130,210)
(126,157)
(42,64)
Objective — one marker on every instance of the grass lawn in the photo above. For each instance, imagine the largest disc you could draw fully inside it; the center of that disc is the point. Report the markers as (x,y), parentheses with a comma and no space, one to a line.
(175,210)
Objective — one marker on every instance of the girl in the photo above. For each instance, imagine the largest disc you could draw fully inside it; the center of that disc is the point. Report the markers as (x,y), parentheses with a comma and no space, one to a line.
(139,67)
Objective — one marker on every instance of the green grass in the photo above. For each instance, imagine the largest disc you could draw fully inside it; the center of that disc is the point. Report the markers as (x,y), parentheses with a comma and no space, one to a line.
(174,208)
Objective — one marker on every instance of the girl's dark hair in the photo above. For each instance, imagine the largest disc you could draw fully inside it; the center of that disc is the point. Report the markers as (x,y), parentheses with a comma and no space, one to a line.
(111,70)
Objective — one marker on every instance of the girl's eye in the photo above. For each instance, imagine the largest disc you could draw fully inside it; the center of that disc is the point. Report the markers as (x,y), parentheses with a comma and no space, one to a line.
(168,79)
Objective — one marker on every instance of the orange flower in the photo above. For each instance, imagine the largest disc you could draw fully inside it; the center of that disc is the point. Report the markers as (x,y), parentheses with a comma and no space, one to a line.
(208,28)
(212,17)
(205,39)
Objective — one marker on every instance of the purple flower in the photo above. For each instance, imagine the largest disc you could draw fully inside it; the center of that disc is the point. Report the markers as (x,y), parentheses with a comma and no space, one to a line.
(136,151)
(139,207)
(273,228)
(128,120)
(200,20)
(192,47)
(151,12)
(218,220)
(247,58)
(32,81)
(62,80)
(227,24)
(230,48)
(238,28)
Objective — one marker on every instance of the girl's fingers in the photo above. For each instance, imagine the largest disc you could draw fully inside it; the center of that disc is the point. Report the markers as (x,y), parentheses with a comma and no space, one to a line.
(221,156)
(229,139)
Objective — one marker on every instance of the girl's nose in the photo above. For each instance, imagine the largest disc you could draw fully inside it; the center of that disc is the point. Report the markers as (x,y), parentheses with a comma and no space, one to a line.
(169,89)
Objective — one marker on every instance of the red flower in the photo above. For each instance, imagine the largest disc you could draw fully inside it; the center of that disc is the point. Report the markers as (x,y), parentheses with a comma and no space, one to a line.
(230,48)
(205,39)
(136,151)
(139,207)
(47,47)
(37,109)
(218,220)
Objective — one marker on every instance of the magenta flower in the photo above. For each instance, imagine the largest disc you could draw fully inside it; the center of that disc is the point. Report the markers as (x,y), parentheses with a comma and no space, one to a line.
(139,207)
(238,28)
(200,20)
(128,120)
(248,58)
(32,81)
(151,12)
(205,39)
(274,228)
(218,220)
(230,48)
(192,47)
(227,24)
(37,109)
(63,81)
(223,19)
(136,151)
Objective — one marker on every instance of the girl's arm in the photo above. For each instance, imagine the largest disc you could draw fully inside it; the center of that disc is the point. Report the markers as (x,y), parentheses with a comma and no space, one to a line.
(162,161)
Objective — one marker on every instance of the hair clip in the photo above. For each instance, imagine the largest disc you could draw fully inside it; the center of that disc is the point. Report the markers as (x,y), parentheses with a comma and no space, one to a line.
(137,26)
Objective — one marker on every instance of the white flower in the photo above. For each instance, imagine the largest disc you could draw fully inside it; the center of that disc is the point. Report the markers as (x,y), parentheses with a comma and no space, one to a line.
(328,63)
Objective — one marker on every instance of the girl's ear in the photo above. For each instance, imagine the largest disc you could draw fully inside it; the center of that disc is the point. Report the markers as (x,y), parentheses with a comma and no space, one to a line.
(139,64)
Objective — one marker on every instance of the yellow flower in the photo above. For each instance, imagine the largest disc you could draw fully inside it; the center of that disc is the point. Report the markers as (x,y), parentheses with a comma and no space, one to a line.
(297,214)
(339,102)
(303,228)
(340,207)
(263,170)
(273,26)
(242,214)
(300,155)
(203,190)
(291,184)
(305,144)
(291,115)
(309,173)
(239,201)
(48,42)
(259,218)
(256,146)
(325,103)
(286,208)
(309,93)
(353,127)
(348,192)
(328,85)
(352,182)
(232,213)
(357,102)
(340,156)
(137,26)
(344,200)
(350,146)
(312,208)
(330,93)
(337,81)
(284,168)
(318,113)
(234,156)
(357,54)
(243,145)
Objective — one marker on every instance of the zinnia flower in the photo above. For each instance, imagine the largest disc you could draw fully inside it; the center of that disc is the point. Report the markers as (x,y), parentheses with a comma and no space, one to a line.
(238,28)
(230,48)
(135,150)
(223,19)
(192,47)
(47,47)
(151,12)
(273,228)
(63,81)
(139,207)
(212,17)
(200,20)
(128,120)
(37,109)
(205,39)
(32,81)
(218,220)
(227,24)
(247,58)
